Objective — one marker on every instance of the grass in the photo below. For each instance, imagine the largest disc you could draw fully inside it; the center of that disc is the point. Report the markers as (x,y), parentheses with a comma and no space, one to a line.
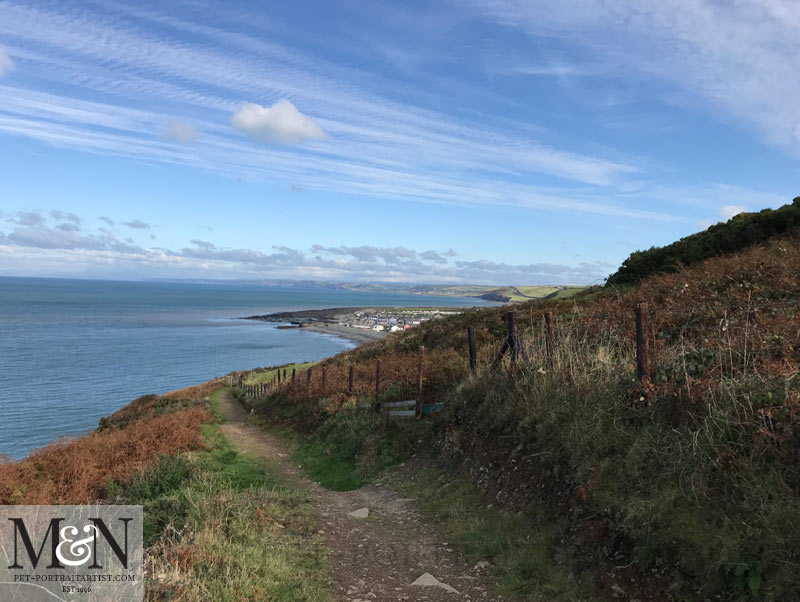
(220,526)
(352,448)
(524,548)
(265,375)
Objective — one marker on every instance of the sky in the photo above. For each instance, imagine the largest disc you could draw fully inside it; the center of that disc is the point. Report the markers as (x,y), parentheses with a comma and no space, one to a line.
(450,141)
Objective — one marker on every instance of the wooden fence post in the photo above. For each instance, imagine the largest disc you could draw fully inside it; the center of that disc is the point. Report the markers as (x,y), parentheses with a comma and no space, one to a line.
(378,378)
(473,363)
(642,344)
(513,338)
(420,366)
(293,375)
(279,377)
(308,377)
(550,339)
(350,380)
(284,375)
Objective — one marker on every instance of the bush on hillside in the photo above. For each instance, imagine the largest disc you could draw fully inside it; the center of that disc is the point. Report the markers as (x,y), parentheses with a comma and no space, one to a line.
(739,232)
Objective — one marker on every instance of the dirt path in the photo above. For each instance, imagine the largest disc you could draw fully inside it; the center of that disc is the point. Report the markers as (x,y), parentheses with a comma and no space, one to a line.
(376,558)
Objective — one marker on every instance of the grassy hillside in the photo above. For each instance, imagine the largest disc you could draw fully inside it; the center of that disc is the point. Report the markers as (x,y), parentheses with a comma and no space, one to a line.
(217,525)
(690,481)
(739,232)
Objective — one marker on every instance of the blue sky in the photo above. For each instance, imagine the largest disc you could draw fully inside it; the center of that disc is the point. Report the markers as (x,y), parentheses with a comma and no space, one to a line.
(481,141)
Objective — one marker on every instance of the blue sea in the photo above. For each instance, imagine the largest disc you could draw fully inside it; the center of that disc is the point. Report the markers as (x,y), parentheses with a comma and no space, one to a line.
(72,351)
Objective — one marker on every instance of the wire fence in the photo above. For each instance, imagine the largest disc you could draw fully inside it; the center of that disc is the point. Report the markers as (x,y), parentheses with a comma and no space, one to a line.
(671,344)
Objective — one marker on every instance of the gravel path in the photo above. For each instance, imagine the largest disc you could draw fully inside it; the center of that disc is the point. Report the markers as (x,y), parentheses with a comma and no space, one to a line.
(376,557)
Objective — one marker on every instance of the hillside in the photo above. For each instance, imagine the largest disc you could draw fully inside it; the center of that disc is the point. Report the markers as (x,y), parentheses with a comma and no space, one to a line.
(563,473)
(739,232)
(689,480)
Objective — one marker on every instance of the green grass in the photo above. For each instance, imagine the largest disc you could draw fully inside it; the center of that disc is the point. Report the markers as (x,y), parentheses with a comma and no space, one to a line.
(219,526)
(331,470)
(265,375)
(352,447)
(523,548)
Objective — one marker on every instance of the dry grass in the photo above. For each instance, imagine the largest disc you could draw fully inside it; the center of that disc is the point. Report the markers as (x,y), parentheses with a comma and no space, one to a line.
(76,471)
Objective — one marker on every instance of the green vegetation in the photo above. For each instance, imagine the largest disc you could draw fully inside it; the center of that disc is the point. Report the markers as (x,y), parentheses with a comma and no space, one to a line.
(739,232)
(265,375)
(219,526)
(523,547)
(352,447)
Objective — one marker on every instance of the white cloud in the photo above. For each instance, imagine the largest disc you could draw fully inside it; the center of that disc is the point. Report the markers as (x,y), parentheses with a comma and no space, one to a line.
(6,64)
(281,122)
(726,212)
(182,132)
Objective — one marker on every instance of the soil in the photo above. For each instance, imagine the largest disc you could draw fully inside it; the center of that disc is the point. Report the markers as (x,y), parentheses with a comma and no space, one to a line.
(376,558)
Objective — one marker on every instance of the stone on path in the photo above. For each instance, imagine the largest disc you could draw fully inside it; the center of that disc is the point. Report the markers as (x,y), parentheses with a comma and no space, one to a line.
(360,513)
(428,580)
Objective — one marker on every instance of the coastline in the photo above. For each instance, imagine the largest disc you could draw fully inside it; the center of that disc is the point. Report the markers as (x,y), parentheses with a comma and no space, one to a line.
(359,336)
(356,324)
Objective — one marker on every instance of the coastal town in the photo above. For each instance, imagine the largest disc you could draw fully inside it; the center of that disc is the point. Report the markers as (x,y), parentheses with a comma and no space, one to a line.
(358,323)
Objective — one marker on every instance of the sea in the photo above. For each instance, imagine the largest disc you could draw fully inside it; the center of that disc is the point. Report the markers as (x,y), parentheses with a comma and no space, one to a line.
(72,351)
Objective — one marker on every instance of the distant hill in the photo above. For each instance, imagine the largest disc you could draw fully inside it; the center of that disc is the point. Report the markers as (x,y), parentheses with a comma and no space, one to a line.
(503,294)
(739,232)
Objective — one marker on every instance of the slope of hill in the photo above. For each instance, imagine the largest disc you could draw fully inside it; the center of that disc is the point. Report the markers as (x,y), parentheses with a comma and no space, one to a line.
(739,232)
(689,480)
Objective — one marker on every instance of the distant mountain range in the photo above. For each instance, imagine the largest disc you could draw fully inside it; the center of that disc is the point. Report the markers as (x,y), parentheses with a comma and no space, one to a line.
(492,293)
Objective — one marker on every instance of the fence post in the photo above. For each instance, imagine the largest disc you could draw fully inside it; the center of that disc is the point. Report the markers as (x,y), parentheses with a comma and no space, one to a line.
(350,380)
(550,339)
(279,376)
(472,356)
(293,375)
(324,371)
(420,365)
(642,344)
(378,378)
(513,338)
(284,375)
(308,377)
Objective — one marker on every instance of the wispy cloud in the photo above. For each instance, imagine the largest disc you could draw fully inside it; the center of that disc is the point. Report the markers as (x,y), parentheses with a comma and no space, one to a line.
(6,63)
(378,145)
(729,211)
(65,216)
(738,58)
(182,132)
(137,224)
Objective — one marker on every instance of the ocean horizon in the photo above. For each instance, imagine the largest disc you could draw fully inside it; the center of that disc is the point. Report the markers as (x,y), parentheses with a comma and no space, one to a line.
(74,350)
